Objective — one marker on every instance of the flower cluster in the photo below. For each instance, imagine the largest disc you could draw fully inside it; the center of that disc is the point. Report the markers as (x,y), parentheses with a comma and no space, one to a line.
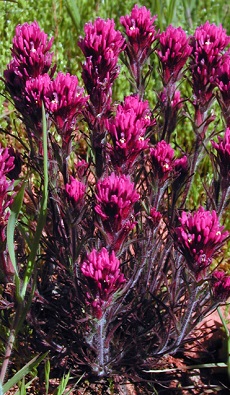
(127,131)
(30,82)
(220,285)
(140,32)
(223,155)
(199,237)
(223,83)
(208,43)
(164,162)
(63,100)
(173,53)
(76,190)
(101,47)
(115,199)
(6,187)
(103,269)
(31,58)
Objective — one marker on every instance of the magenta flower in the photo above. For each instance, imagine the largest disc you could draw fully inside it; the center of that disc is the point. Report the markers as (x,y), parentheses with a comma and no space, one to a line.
(173,53)
(154,216)
(30,50)
(31,57)
(223,83)
(223,155)
(6,198)
(140,32)
(115,199)
(6,186)
(103,271)
(162,157)
(101,46)
(36,90)
(23,78)
(64,102)
(127,130)
(76,190)
(208,43)
(199,237)
(220,285)
(6,161)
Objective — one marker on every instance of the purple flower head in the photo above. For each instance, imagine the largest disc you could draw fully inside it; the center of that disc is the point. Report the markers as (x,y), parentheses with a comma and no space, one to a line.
(220,285)
(6,198)
(31,60)
(181,165)
(140,32)
(31,56)
(208,43)
(162,157)
(81,168)
(36,90)
(223,83)
(154,216)
(127,130)
(173,53)
(64,102)
(101,46)
(31,49)
(6,161)
(199,237)
(115,198)
(76,190)
(223,154)
(103,271)
(101,39)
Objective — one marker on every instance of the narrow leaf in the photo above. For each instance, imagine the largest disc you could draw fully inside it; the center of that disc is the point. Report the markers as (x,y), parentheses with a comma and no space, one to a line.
(24,371)
(43,210)
(15,210)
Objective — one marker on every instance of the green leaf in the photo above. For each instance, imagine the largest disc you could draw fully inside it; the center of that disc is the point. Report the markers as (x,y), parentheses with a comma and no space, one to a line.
(62,386)
(24,371)
(74,13)
(47,375)
(15,210)
(43,211)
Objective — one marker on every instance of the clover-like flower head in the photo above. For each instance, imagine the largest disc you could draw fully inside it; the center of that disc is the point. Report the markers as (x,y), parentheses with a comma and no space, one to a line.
(173,53)
(105,278)
(199,237)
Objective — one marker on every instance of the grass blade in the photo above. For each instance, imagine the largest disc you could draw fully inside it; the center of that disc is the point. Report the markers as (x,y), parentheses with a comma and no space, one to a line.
(24,371)
(43,211)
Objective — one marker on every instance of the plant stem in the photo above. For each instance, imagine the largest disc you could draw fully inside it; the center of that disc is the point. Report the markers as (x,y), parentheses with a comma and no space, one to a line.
(10,343)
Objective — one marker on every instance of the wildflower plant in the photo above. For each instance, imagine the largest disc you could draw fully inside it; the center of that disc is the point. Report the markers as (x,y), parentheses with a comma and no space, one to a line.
(128,262)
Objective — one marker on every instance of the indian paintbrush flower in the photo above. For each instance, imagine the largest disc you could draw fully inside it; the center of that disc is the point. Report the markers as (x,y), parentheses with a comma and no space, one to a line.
(115,199)
(162,158)
(223,155)
(220,284)
(208,43)
(101,47)
(223,83)
(173,53)
(140,32)
(64,101)
(76,190)
(199,237)
(6,199)
(31,58)
(127,131)
(103,271)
